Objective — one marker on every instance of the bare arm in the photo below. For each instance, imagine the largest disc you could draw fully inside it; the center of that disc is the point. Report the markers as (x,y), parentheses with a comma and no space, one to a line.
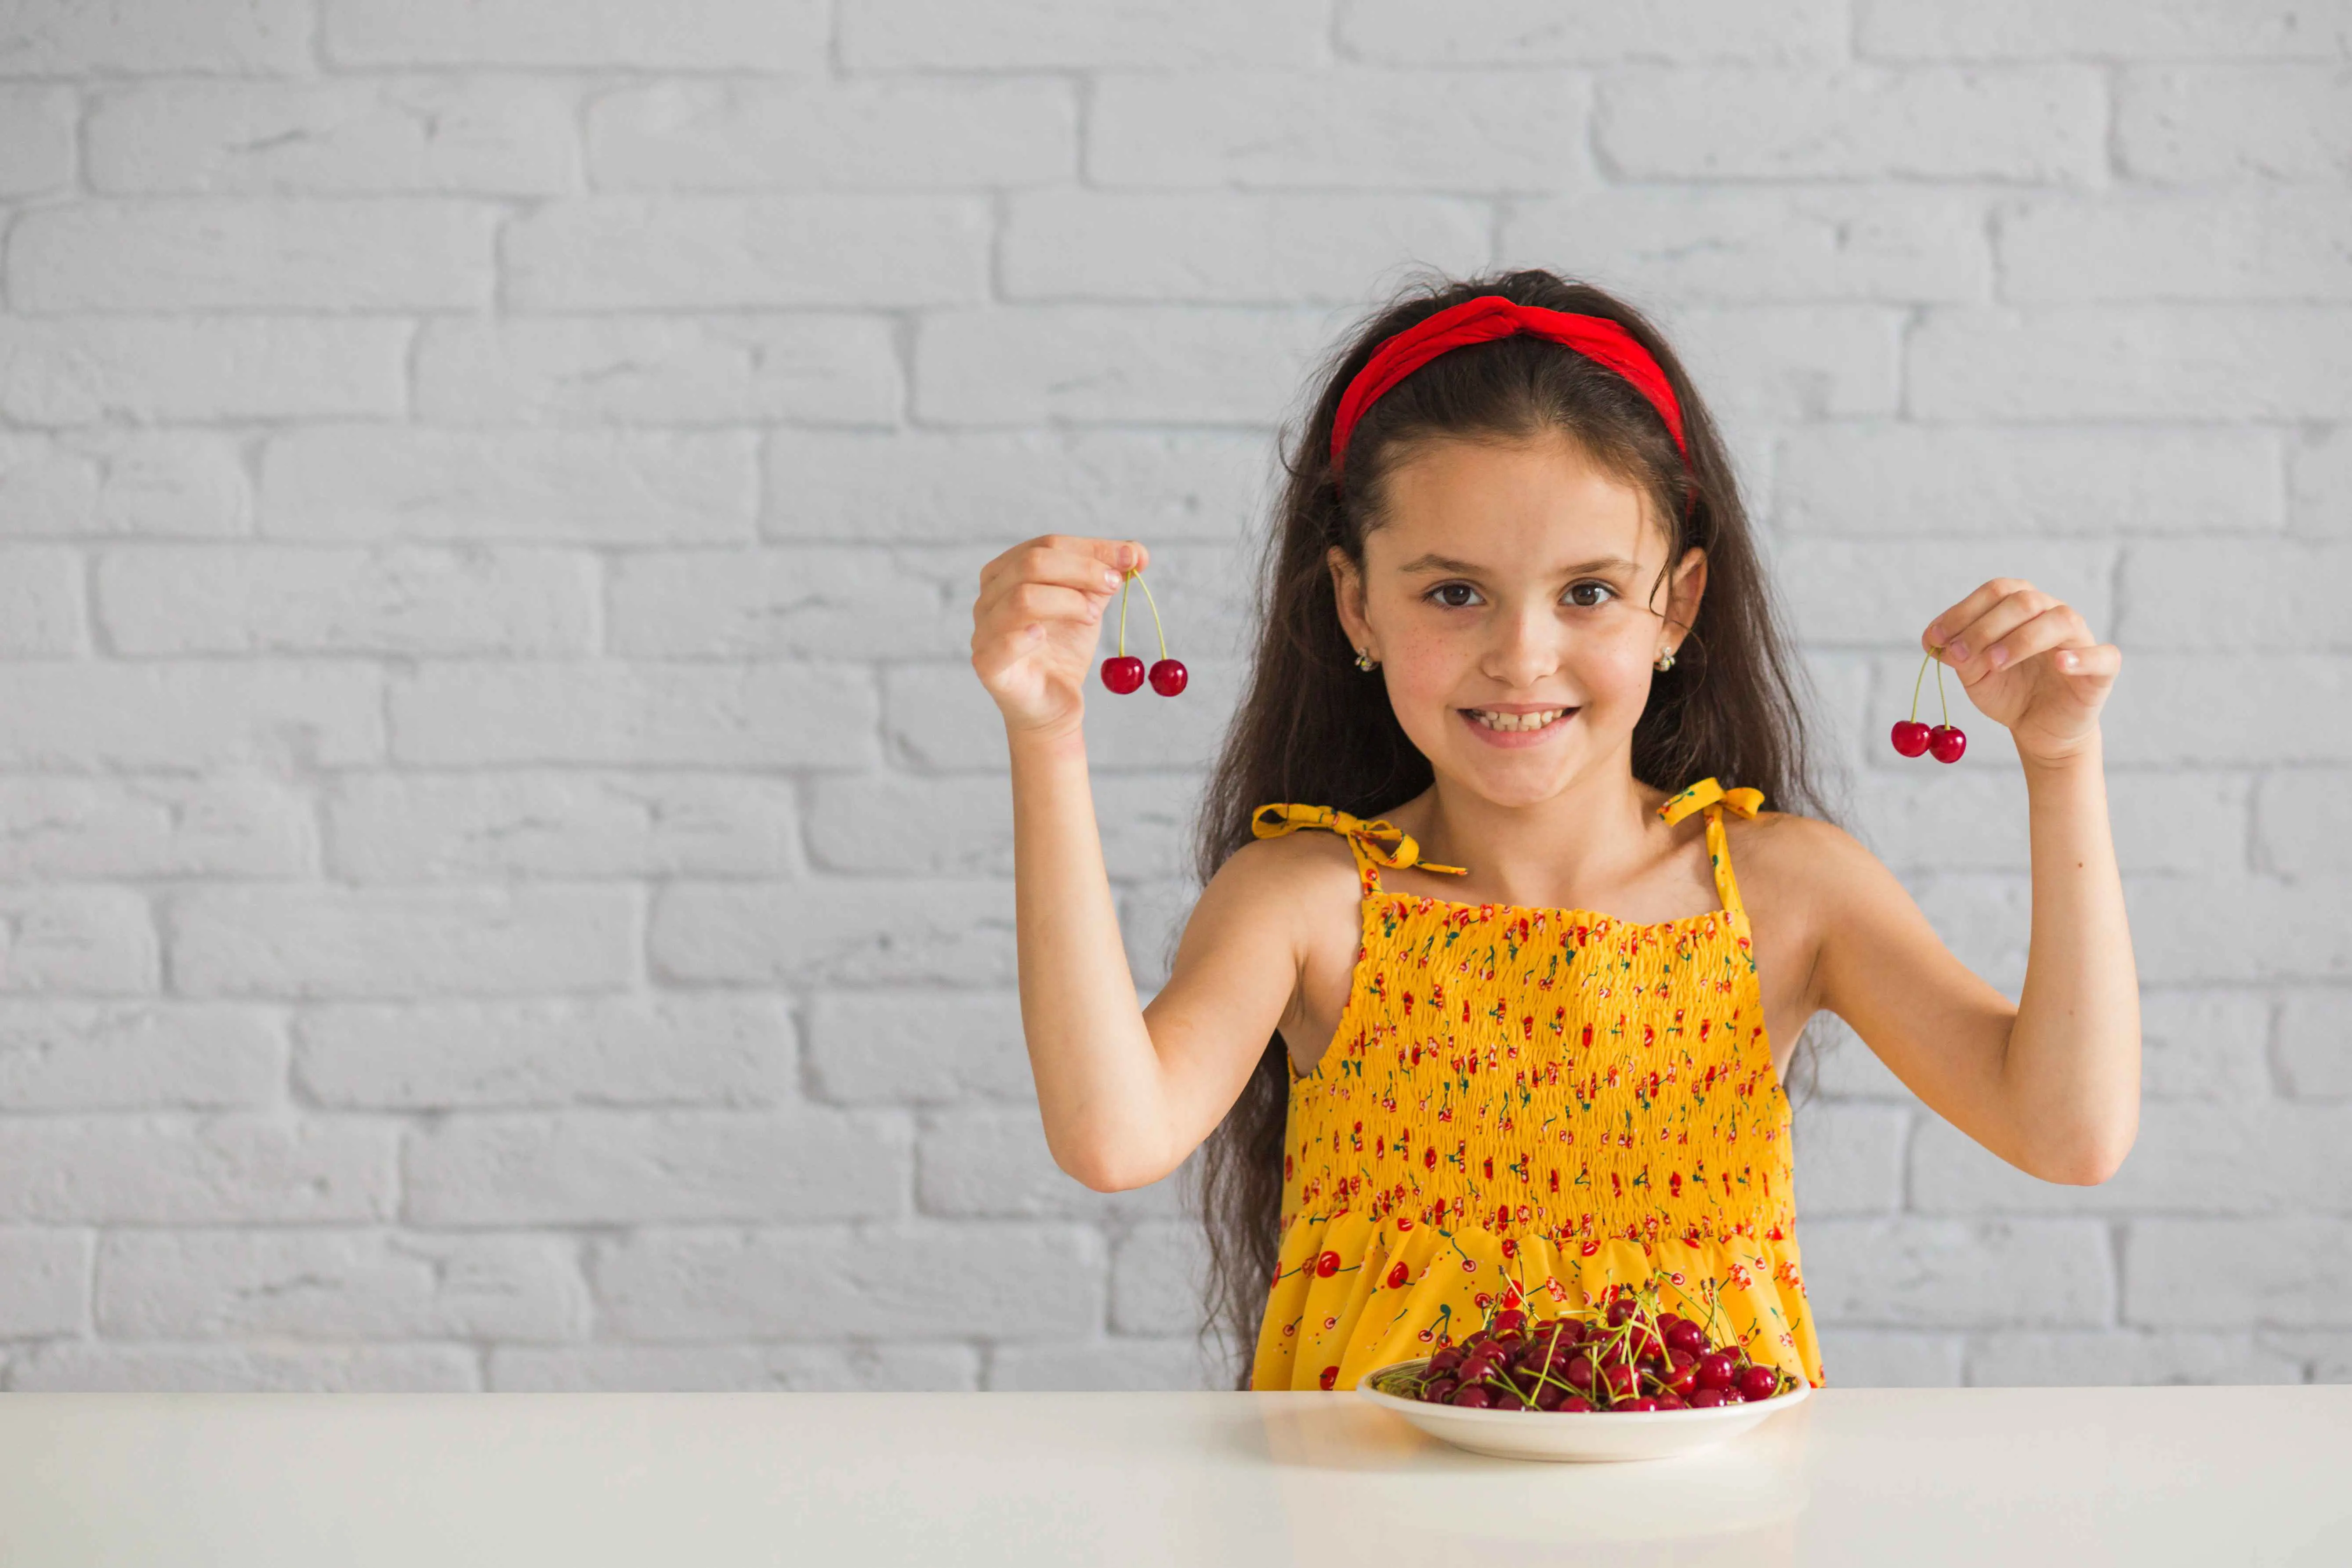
(1124,1099)
(2051,1083)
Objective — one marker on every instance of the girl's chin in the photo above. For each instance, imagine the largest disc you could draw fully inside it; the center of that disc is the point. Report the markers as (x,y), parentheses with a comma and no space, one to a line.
(1517,740)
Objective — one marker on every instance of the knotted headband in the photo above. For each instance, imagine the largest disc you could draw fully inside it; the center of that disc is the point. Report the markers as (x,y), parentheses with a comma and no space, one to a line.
(1483,320)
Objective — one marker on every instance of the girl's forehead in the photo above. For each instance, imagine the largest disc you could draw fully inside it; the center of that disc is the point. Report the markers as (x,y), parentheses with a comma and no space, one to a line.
(1515,505)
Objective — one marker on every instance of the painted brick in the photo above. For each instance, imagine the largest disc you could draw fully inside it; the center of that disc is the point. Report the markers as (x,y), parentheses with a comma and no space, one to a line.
(502,135)
(871,135)
(1490,131)
(2019,29)
(266,600)
(721,1283)
(1529,32)
(200,370)
(600,1167)
(634,370)
(721,1050)
(36,139)
(2196,123)
(722,34)
(1073,34)
(852,1368)
(1798,243)
(233,37)
(1227,248)
(619,253)
(176,254)
(338,1284)
(387,482)
(64,1055)
(468,827)
(2132,361)
(2042,124)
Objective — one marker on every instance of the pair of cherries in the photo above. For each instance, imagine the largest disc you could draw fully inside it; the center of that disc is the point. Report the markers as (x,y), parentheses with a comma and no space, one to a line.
(1943,741)
(1123,672)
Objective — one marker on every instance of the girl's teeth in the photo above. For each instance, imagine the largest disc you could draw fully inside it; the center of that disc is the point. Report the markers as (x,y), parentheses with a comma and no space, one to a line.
(1516,720)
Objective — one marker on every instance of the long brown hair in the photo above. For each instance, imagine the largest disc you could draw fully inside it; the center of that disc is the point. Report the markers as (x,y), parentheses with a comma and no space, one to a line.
(1311,727)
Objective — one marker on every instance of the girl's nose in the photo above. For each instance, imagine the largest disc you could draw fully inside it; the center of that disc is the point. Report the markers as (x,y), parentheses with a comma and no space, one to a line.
(1526,646)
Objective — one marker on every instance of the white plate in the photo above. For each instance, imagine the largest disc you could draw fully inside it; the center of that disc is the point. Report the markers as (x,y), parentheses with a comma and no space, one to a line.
(1580,1435)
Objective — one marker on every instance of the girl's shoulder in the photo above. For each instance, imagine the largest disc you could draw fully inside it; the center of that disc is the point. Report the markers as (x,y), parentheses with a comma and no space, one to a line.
(1791,860)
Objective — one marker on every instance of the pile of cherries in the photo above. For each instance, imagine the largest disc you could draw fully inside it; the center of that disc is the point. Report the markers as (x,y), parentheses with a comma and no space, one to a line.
(1944,742)
(1123,672)
(1627,1358)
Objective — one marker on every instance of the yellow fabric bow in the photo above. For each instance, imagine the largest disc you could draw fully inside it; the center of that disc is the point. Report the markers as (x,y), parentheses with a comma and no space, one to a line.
(1743,802)
(1383,840)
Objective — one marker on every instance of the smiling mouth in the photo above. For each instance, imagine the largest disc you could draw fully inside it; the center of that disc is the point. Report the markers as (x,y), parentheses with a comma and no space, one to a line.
(1517,723)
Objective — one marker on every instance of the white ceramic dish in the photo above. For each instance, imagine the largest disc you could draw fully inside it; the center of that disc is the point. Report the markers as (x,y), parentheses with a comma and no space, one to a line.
(1576,1434)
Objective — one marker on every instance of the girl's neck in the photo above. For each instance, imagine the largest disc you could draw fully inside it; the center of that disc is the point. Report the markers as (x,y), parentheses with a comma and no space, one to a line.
(1584,847)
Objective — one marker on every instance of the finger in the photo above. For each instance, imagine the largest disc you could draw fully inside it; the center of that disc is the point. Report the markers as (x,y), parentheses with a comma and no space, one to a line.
(2099,663)
(1968,643)
(1121,554)
(1045,565)
(2059,625)
(1946,626)
(1024,604)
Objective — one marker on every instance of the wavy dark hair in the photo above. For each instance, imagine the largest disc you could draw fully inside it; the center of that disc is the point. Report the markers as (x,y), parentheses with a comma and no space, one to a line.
(1311,727)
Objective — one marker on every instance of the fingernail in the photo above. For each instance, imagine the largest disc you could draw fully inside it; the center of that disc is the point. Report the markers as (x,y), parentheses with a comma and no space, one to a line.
(1997,657)
(2068,660)
(1957,649)
(1110,579)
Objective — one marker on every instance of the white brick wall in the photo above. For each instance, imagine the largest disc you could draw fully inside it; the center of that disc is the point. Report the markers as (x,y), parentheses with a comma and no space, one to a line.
(504,869)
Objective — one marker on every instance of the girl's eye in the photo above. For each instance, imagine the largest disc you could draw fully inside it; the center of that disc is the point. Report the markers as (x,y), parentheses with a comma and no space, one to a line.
(1436,594)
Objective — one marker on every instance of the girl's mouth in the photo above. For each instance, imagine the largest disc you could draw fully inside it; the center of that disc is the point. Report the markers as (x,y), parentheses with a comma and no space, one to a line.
(1514,729)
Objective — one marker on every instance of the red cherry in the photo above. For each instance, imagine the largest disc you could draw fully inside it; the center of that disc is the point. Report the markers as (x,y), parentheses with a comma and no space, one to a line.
(1439,1389)
(1910,737)
(1471,1397)
(1328,1265)
(1621,1381)
(1643,1402)
(1758,1382)
(1716,1370)
(1575,1401)
(1946,742)
(1509,1317)
(1686,1336)
(1549,1396)
(1707,1399)
(1670,1400)
(1168,677)
(1123,675)
(1684,1377)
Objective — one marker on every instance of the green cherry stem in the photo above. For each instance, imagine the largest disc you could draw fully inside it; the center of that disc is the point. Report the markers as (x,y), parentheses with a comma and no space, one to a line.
(1134,577)
(1916,679)
(1123,617)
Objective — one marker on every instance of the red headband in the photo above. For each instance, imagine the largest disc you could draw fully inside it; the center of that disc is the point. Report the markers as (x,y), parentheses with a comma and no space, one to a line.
(1483,320)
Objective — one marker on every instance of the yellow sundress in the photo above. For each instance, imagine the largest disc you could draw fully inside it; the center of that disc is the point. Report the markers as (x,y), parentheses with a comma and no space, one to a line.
(1535,1106)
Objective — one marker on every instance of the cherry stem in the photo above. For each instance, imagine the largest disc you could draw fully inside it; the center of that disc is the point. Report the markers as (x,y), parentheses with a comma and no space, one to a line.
(1916,679)
(1939,694)
(1138,577)
(1122,614)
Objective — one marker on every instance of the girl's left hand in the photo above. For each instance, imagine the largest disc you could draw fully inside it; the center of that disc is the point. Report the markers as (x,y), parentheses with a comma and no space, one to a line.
(2027,660)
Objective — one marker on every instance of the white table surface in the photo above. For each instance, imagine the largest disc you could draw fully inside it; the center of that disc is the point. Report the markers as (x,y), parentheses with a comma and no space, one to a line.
(2215,1476)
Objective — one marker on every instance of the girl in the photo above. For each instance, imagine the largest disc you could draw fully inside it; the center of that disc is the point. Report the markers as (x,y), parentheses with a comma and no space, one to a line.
(1505,1027)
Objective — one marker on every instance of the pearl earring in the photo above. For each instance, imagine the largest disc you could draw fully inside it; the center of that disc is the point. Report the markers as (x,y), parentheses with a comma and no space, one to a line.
(1665,659)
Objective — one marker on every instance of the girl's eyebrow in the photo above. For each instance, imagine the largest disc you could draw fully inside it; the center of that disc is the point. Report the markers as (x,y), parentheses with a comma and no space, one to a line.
(1435,563)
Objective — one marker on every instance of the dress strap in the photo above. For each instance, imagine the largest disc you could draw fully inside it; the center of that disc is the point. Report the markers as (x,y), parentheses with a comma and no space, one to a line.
(1377,842)
(1711,796)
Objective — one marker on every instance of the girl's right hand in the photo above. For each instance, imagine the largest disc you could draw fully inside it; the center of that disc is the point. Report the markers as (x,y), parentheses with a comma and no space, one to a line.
(1036,622)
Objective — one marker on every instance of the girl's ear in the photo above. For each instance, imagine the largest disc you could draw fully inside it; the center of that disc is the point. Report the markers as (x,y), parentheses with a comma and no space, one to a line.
(1688,587)
(1348,589)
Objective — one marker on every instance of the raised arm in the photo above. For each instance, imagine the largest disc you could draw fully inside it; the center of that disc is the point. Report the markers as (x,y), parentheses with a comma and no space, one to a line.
(2051,1083)
(1123,1101)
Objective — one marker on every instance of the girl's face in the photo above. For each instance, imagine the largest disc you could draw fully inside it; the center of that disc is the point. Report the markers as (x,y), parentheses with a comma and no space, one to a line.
(1516,584)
